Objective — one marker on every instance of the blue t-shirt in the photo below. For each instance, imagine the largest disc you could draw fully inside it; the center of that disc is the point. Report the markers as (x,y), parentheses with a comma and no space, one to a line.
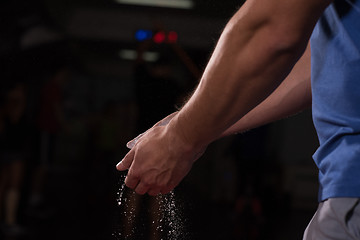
(335,49)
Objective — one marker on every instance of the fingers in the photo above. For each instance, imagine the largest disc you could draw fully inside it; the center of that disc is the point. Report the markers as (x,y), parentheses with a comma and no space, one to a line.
(126,162)
(133,142)
(146,185)
(162,122)
(132,182)
(141,188)
(154,191)
(165,120)
(167,189)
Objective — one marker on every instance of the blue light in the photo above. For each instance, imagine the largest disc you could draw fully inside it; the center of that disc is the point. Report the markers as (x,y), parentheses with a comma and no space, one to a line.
(142,35)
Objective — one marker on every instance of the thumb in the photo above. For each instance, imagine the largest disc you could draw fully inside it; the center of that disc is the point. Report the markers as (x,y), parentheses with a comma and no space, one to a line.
(126,162)
(132,143)
(165,120)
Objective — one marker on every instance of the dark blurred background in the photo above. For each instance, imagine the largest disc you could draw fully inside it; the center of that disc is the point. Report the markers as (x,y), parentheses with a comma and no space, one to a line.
(79,78)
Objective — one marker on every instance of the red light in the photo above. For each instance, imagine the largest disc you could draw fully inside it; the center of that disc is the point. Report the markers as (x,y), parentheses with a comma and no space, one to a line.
(159,37)
(172,37)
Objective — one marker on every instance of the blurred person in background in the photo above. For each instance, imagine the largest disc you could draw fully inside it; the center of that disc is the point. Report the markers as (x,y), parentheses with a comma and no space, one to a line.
(50,121)
(14,150)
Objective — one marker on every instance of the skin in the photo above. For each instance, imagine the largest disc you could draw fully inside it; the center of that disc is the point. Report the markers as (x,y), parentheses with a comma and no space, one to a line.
(255,53)
(291,97)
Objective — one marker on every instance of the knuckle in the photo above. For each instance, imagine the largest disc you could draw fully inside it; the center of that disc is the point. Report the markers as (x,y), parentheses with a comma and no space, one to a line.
(130,184)
(152,193)
(134,173)
(145,184)
(140,192)
(149,181)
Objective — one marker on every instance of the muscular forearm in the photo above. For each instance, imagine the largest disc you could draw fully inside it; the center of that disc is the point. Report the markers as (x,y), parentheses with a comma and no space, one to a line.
(292,96)
(243,70)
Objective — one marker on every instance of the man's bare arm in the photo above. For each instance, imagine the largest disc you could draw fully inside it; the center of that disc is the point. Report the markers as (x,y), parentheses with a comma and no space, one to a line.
(291,97)
(257,49)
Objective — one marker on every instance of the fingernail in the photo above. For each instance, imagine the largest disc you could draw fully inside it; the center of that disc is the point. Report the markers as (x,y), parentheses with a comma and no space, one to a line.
(130,145)
(117,165)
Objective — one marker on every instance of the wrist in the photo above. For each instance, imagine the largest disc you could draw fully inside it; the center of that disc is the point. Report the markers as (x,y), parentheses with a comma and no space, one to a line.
(180,131)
